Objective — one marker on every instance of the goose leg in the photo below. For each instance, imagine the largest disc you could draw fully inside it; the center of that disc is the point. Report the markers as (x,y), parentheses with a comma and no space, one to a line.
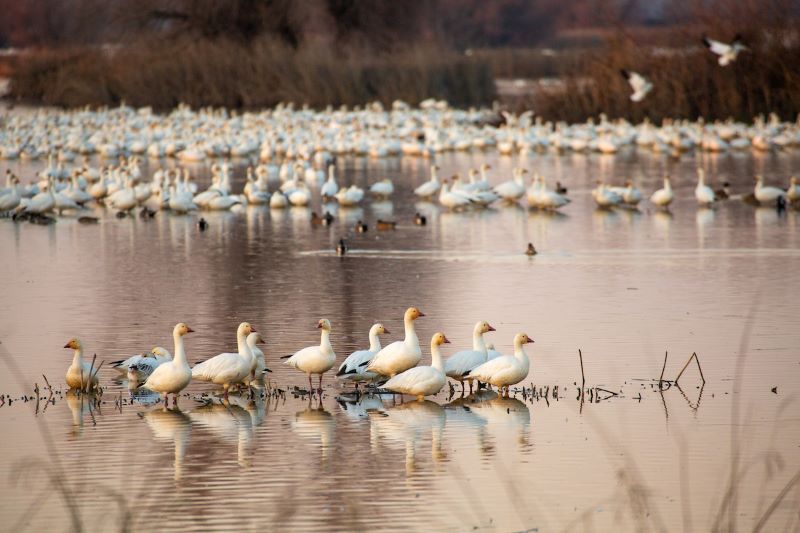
(470,386)
(310,385)
(226,390)
(320,384)
(463,390)
(175,399)
(166,399)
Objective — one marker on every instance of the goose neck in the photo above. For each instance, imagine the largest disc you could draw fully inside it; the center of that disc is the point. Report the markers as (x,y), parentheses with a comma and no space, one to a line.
(478,344)
(180,353)
(374,342)
(325,341)
(411,333)
(77,356)
(436,357)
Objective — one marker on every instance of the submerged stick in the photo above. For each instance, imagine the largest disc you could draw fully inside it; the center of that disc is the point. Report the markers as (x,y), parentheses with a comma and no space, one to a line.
(583,377)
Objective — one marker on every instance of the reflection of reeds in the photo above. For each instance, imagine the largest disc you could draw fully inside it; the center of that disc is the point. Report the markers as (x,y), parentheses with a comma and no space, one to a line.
(164,73)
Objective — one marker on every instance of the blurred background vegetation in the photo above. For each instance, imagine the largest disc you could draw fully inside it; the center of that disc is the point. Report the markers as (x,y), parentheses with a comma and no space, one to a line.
(559,57)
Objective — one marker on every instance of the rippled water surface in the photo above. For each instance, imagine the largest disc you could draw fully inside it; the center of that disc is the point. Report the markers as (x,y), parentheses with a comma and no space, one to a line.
(622,286)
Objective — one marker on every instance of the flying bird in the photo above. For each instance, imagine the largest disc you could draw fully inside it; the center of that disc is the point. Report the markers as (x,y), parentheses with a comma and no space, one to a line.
(727,52)
(640,85)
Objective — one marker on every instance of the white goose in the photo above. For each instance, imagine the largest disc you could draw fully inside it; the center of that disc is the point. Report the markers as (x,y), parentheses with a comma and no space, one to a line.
(727,52)
(422,381)
(173,376)
(430,187)
(513,189)
(453,200)
(664,196)
(793,192)
(352,369)
(766,195)
(315,359)
(464,361)
(640,85)
(156,353)
(703,193)
(78,374)
(505,370)
(228,369)
(330,187)
(140,371)
(382,189)
(399,355)
(259,367)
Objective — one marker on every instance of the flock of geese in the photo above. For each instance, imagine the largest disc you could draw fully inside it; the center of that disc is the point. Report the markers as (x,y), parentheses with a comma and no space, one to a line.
(394,367)
(292,154)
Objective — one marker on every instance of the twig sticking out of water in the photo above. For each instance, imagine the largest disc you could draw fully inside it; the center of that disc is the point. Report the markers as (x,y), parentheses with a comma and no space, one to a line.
(661,379)
(697,360)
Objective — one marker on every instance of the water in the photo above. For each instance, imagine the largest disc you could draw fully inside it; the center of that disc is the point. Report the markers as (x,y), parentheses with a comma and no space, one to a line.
(624,287)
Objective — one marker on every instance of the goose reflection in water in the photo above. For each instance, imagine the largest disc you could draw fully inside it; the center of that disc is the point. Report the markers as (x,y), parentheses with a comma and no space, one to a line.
(171,425)
(229,423)
(81,405)
(461,415)
(405,424)
(358,409)
(503,412)
(315,423)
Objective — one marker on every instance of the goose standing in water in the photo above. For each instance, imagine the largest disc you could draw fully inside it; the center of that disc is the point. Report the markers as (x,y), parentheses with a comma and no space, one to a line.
(315,359)
(430,187)
(793,192)
(399,356)
(78,374)
(505,370)
(140,370)
(664,196)
(703,193)
(422,381)
(259,367)
(766,195)
(352,369)
(173,376)
(462,362)
(228,368)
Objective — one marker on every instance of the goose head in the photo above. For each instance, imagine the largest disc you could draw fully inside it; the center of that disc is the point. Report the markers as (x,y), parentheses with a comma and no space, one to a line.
(245,328)
(438,339)
(380,329)
(522,338)
(412,313)
(158,351)
(324,324)
(483,327)
(182,329)
(74,343)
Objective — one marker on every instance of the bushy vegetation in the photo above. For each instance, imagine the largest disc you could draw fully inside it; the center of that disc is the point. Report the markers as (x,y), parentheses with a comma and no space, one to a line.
(223,72)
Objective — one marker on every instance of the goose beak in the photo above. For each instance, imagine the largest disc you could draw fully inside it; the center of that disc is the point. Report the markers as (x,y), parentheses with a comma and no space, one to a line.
(189,330)
(252,329)
(421,313)
(446,340)
(491,328)
(530,341)
(319,325)
(387,331)
(66,345)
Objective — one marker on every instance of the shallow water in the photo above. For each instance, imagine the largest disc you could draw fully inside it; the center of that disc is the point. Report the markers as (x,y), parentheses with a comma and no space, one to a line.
(624,287)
